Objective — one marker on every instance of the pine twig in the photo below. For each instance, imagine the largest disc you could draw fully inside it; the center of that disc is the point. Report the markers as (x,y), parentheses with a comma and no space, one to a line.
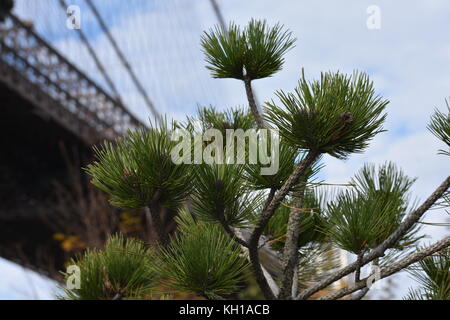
(360,294)
(252,103)
(228,229)
(358,268)
(394,268)
(290,251)
(155,211)
(379,251)
(272,240)
(269,198)
(299,170)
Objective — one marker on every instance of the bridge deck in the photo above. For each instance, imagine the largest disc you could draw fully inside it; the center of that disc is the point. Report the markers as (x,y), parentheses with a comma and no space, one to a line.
(35,70)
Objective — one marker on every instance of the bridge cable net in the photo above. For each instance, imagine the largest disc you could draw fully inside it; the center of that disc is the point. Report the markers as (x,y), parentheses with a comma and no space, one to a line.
(159,39)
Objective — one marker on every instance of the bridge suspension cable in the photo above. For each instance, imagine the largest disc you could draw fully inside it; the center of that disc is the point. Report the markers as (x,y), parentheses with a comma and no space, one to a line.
(94,56)
(124,61)
(218,14)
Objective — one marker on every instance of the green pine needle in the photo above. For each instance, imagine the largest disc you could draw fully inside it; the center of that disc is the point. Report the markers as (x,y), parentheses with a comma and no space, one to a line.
(258,49)
(201,259)
(338,114)
(433,275)
(138,165)
(120,271)
(312,223)
(220,192)
(363,217)
(440,127)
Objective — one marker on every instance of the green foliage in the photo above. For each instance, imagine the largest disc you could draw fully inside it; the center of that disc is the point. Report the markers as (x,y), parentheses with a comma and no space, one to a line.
(433,275)
(315,261)
(201,259)
(312,223)
(207,118)
(288,157)
(362,218)
(258,48)
(138,165)
(220,193)
(337,115)
(120,271)
(210,118)
(440,127)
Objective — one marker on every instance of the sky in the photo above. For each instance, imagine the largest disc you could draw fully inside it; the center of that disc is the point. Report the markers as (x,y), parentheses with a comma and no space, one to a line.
(408,58)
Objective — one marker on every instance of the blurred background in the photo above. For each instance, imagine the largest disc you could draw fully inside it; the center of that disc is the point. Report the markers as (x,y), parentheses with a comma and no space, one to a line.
(141,59)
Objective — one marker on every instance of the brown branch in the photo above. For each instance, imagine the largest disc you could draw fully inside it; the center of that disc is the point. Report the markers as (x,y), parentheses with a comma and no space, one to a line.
(228,229)
(290,251)
(269,198)
(389,270)
(299,170)
(311,210)
(118,296)
(358,268)
(389,242)
(252,103)
(155,211)
(233,235)
(360,294)
(212,296)
(271,240)
(363,292)
(258,272)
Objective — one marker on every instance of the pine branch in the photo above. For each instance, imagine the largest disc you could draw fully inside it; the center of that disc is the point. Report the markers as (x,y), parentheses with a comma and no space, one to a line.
(379,251)
(290,252)
(318,115)
(270,281)
(294,290)
(358,262)
(440,127)
(201,258)
(155,212)
(389,270)
(360,294)
(299,170)
(363,292)
(228,229)
(121,270)
(214,297)
(252,103)
(269,198)
(433,276)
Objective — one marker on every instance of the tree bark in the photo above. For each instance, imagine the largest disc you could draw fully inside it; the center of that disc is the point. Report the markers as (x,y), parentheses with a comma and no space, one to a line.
(299,170)
(290,252)
(252,103)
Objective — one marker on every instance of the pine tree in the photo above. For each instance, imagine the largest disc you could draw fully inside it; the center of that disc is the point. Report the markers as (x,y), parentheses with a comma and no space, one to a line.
(284,229)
